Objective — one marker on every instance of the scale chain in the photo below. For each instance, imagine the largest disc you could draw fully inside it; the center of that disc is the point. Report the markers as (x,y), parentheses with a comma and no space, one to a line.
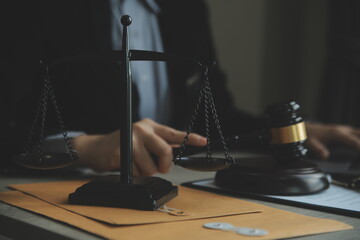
(190,126)
(206,97)
(32,131)
(46,93)
(73,153)
(209,95)
(43,119)
(207,122)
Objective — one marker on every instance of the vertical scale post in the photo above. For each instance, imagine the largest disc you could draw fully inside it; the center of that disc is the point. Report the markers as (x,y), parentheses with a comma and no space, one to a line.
(126,107)
(146,193)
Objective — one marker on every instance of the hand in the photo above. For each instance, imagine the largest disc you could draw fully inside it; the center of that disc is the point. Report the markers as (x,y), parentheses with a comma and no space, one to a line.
(322,135)
(152,148)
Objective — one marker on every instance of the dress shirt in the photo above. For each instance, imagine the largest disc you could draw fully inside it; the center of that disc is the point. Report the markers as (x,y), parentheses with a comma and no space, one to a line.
(150,77)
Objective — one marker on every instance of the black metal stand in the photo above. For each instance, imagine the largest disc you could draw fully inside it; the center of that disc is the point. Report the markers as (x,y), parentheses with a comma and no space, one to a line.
(126,191)
(144,193)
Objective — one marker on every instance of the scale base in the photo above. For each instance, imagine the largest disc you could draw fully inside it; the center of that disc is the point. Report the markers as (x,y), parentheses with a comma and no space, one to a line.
(145,193)
(297,178)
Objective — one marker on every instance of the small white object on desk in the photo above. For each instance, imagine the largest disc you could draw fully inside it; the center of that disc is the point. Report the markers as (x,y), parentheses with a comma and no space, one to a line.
(240,230)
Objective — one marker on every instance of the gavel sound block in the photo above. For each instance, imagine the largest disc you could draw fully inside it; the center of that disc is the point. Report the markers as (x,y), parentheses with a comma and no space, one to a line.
(290,174)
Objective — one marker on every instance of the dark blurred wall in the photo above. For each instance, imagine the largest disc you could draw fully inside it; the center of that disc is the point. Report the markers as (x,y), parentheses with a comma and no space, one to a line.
(295,52)
(238,29)
(340,95)
(272,50)
(15,21)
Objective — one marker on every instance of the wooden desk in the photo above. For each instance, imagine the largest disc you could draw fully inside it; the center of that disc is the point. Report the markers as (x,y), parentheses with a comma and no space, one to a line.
(20,224)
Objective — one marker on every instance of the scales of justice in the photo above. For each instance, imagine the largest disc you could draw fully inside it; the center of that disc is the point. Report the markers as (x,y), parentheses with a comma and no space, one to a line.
(285,135)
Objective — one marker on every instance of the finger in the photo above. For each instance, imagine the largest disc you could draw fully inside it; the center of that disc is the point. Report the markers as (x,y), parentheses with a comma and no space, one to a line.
(318,148)
(197,140)
(175,145)
(115,159)
(114,164)
(143,160)
(156,145)
(136,171)
(174,136)
(349,139)
(356,131)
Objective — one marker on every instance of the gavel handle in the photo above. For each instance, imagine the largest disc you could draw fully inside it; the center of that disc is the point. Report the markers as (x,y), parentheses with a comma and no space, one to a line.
(255,139)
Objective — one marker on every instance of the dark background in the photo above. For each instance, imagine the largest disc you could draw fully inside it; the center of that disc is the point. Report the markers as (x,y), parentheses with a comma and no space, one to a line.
(297,49)
(271,51)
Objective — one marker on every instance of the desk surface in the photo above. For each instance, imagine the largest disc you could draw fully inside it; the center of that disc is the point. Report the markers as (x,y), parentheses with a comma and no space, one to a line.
(20,224)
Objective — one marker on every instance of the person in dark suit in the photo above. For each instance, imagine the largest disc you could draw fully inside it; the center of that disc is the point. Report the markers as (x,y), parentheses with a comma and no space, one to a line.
(88,92)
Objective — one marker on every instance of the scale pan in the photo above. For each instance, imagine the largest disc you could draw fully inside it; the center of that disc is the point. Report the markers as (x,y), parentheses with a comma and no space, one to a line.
(49,161)
(203,164)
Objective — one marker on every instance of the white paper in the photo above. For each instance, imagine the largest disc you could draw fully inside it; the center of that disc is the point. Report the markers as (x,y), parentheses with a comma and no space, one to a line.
(334,197)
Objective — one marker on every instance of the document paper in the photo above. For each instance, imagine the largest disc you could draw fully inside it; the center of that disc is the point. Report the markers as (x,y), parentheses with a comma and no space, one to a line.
(335,197)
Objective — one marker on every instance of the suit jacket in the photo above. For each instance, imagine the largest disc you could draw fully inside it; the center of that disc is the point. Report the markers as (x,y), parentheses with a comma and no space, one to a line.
(87,93)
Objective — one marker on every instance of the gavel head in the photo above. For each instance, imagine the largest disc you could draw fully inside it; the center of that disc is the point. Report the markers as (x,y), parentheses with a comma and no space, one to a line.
(287,131)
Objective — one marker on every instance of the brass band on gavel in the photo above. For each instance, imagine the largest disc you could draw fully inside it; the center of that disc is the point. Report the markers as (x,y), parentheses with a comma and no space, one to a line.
(288,134)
